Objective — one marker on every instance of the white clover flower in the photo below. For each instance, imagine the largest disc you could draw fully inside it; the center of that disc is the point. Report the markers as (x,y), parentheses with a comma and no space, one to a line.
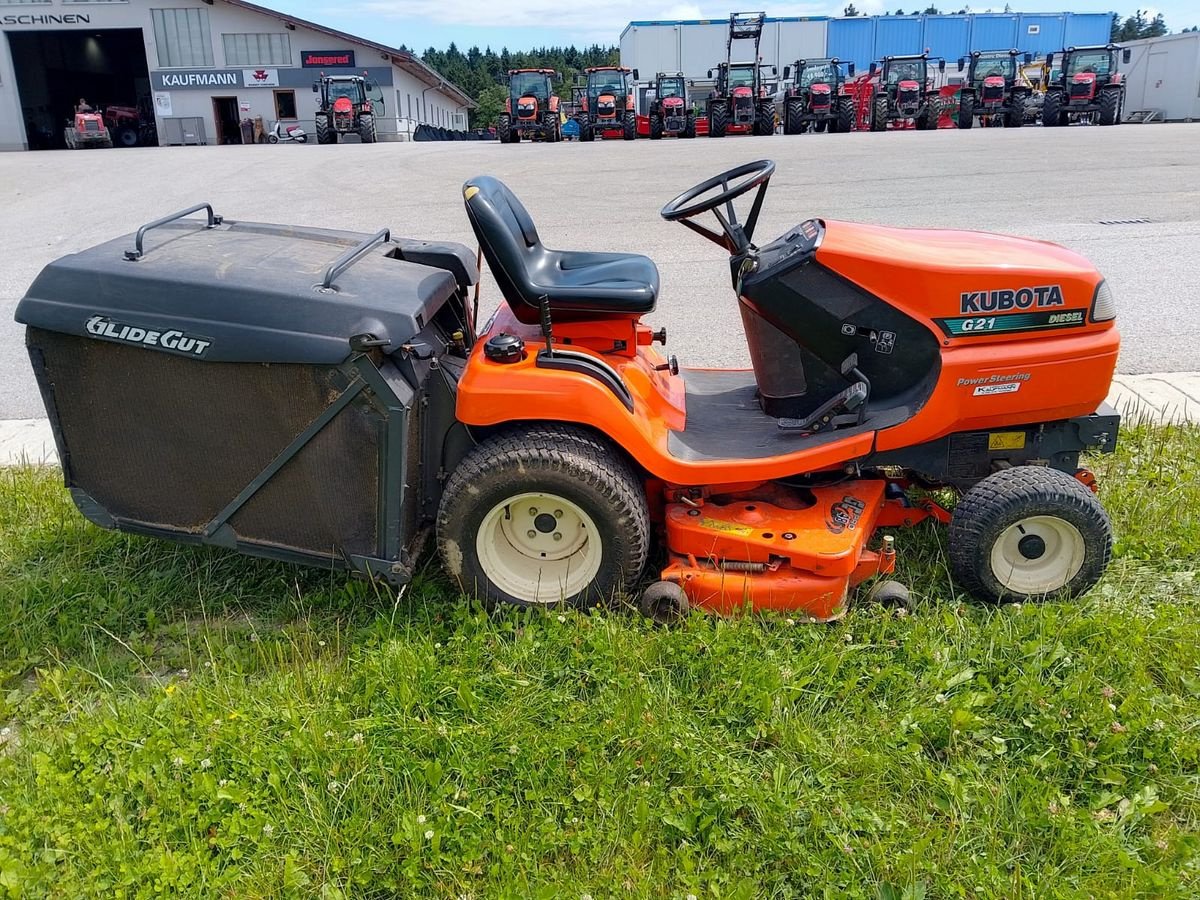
(177,762)
(268,829)
(357,738)
(940,698)
(429,835)
(562,618)
(420,820)
(206,763)
(333,787)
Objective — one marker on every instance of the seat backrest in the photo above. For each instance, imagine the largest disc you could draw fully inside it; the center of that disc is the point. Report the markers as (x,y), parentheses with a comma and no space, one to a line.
(508,238)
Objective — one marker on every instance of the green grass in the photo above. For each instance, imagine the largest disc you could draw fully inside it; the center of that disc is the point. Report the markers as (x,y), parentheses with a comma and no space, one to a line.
(188,722)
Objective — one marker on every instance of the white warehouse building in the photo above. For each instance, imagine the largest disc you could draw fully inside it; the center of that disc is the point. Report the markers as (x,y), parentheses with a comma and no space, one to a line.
(197,68)
(1163,77)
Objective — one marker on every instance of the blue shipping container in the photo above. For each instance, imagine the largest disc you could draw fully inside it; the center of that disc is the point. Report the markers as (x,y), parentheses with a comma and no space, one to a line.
(1087,29)
(1041,34)
(852,40)
(994,32)
(897,36)
(947,37)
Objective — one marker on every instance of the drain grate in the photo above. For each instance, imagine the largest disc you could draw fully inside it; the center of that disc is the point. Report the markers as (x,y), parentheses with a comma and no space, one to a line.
(1123,222)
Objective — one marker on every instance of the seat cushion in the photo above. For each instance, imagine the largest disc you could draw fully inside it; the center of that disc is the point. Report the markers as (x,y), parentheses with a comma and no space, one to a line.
(575,282)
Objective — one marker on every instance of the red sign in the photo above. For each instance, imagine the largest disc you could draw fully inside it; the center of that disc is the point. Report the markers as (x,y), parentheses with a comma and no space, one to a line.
(327,59)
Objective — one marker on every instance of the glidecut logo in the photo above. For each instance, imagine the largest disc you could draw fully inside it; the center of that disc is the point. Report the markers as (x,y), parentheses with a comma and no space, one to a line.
(172,341)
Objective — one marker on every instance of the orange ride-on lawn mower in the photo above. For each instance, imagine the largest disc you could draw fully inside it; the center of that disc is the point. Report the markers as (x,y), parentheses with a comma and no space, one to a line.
(670,111)
(608,110)
(992,89)
(334,410)
(817,97)
(87,129)
(904,93)
(1088,87)
(531,109)
(347,104)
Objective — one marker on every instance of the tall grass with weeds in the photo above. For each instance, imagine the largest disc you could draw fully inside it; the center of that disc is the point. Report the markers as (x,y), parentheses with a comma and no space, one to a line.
(188,722)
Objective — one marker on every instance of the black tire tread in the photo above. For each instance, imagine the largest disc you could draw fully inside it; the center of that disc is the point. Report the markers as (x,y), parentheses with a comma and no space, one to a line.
(556,448)
(1027,489)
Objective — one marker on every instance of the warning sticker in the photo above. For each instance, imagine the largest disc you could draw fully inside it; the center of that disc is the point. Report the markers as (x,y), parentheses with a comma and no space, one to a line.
(1006,440)
(726,527)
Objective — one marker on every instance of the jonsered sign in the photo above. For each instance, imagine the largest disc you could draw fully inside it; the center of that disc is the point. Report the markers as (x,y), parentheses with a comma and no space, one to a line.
(327,59)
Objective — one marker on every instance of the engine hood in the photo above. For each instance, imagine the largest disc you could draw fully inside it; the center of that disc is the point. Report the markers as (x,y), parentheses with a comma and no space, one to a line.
(933,271)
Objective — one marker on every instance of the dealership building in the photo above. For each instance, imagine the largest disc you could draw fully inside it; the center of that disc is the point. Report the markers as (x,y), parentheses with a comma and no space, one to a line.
(199,68)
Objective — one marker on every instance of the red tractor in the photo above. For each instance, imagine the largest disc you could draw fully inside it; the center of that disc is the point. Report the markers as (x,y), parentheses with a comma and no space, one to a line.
(740,104)
(991,90)
(347,104)
(608,104)
(904,93)
(1087,87)
(87,129)
(531,108)
(131,126)
(817,98)
(669,110)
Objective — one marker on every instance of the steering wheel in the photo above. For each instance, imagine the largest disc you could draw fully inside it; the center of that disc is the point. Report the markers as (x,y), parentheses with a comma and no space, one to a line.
(737,237)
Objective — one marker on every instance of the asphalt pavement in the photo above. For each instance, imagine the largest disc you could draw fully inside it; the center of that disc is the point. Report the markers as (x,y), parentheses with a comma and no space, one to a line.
(1128,198)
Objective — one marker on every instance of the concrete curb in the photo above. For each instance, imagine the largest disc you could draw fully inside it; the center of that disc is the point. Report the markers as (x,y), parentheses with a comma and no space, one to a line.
(1168,397)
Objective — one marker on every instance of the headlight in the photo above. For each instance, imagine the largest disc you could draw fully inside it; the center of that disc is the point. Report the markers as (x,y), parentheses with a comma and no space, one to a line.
(1104,307)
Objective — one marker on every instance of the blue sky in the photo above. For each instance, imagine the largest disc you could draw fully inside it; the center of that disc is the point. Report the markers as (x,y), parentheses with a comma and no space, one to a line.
(520,24)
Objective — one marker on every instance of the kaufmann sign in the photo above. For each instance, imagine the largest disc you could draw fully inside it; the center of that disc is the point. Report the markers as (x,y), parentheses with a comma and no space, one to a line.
(196,79)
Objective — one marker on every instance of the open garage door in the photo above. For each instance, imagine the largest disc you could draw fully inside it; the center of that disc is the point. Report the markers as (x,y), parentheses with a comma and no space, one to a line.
(107,67)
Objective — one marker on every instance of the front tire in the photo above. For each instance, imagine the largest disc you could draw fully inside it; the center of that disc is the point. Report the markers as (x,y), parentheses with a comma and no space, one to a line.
(966,110)
(629,127)
(1051,117)
(544,516)
(366,129)
(718,120)
(1027,532)
(792,112)
(764,119)
(656,128)
(845,117)
(879,113)
(1015,117)
(1110,106)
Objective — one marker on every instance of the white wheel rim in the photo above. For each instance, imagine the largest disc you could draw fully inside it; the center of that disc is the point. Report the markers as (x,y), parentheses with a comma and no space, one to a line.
(539,548)
(1038,555)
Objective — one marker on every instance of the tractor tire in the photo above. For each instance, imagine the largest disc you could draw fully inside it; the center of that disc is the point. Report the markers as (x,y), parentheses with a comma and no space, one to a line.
(845,119)
(879,113)
(792,112)
(764,119)
(1110,106)
(656,128)
(966,110)
(126,136)
(629,127)
(544,516)
(1051,115)
(366,129)
(549,127)
(324,134)
(718,120)
(921,122)
(821,125)
(1014,116)
(689,130)
(1027,532)
(586,133)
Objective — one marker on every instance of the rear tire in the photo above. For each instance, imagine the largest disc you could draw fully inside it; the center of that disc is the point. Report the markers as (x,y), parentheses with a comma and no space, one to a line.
(366,129)
(792,111)
(1027,532)
(1110,106)
(1051,116)
(656,128)
(583,504)
(126,136)
(879,113)
(1015,116)
(966,110)
(718,120)
(845,118)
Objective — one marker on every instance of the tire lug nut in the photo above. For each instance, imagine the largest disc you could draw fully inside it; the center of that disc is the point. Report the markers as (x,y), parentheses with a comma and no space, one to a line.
(558,514)
(533,510)
(558,536)
(532,534)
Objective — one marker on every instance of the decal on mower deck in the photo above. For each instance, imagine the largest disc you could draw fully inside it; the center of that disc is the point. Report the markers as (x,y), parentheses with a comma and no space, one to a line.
(172,341)
(726,527)
(965,326)
(844,514)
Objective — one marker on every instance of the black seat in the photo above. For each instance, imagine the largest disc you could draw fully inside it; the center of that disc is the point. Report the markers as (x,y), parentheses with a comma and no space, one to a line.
(576,282)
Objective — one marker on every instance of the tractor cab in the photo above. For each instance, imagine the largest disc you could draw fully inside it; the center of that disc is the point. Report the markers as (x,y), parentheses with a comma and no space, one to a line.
(992,69)
(608,103)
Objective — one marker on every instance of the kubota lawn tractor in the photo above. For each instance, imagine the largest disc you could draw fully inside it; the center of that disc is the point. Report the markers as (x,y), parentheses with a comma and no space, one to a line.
(904,93)
(331,398)
(1088,87)
(993,90)
(346,104)
(608,104)
(531,109)
(739,103)
(85,130)
(816,99)
(670,111)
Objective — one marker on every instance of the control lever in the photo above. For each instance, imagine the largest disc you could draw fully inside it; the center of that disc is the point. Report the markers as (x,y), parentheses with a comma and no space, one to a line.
(847,407)
(547,328)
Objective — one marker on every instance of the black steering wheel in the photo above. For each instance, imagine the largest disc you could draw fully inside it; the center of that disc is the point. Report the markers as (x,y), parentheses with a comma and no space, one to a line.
(737,238)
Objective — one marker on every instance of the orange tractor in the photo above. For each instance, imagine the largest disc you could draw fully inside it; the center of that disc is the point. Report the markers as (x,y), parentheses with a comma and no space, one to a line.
(531,109)
(608,110)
